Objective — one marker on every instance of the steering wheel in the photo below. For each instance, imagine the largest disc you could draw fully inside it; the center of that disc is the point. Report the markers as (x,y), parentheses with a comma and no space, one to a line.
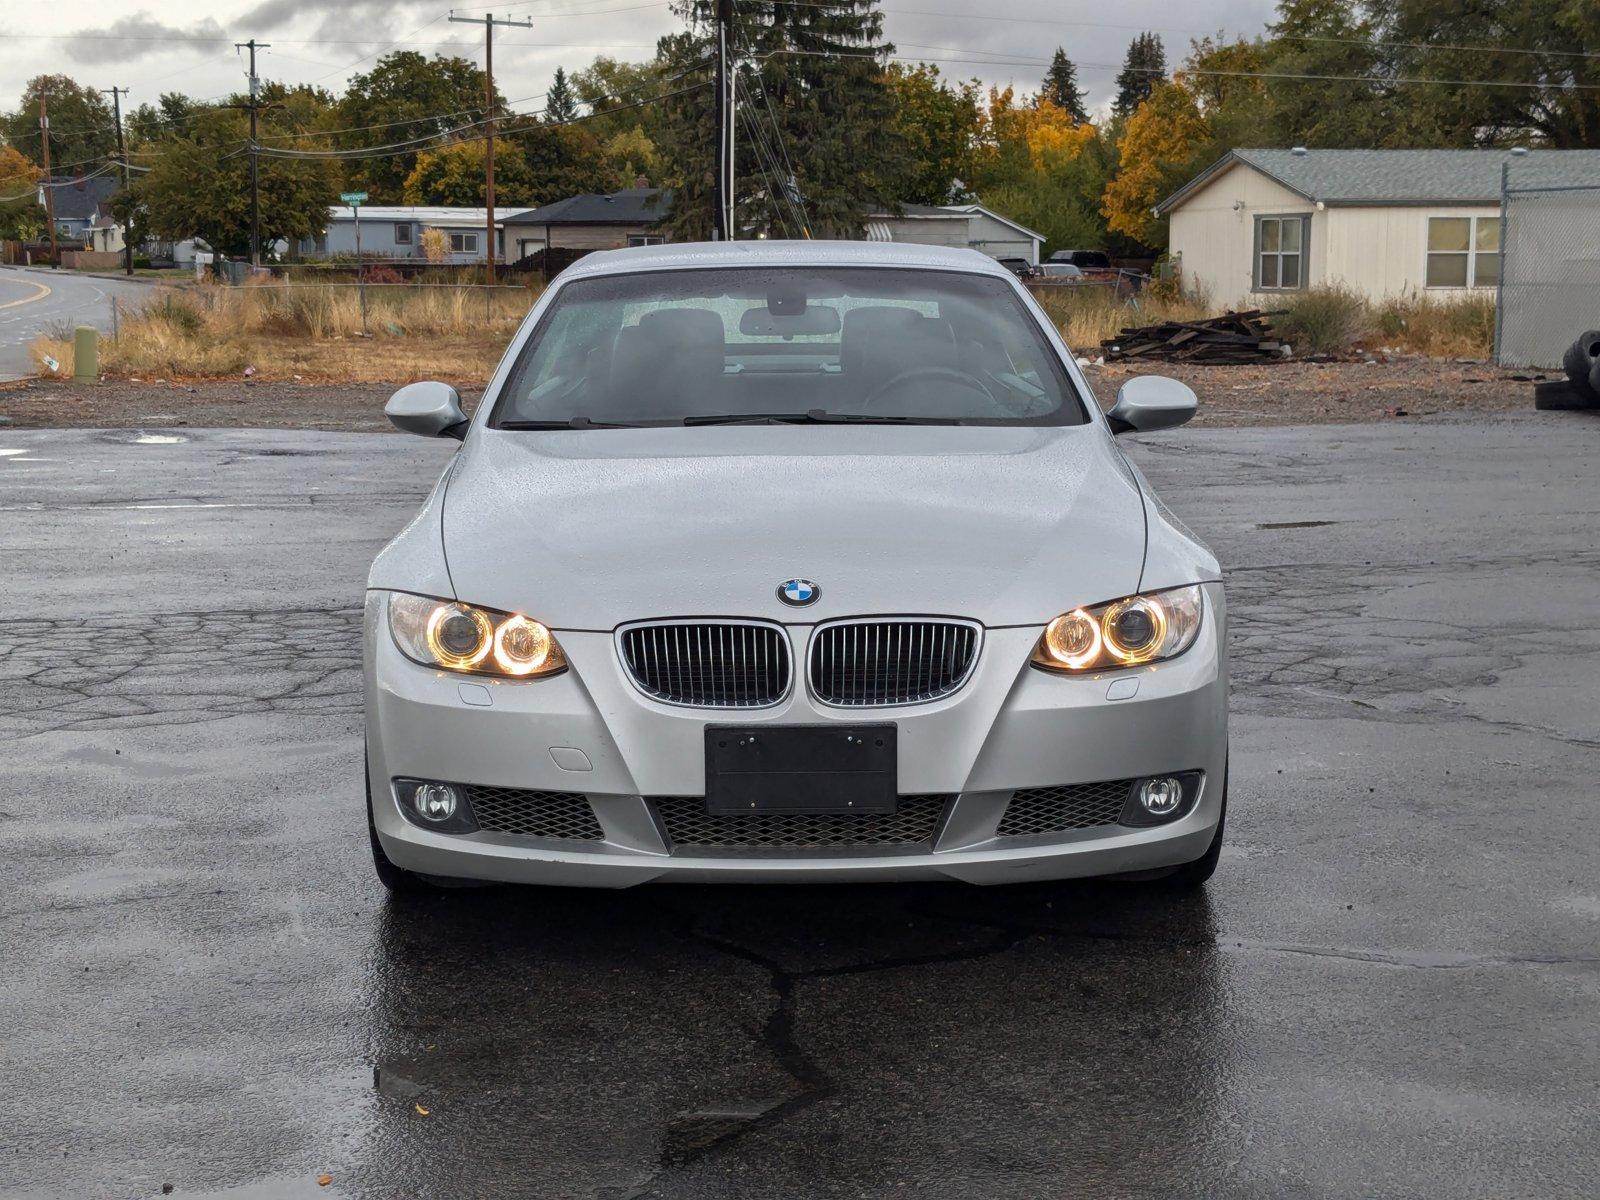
(925,375)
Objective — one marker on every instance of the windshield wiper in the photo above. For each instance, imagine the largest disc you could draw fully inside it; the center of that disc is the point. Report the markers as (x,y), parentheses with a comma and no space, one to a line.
(815,416)
(569,423)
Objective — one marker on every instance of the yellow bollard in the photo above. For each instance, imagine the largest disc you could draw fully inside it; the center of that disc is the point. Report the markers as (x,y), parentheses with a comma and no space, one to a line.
(85,354)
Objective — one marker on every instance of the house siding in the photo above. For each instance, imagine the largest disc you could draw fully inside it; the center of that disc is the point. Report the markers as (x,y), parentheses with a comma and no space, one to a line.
(1217,240)
(529,239)
(1377,250)
(1383,251)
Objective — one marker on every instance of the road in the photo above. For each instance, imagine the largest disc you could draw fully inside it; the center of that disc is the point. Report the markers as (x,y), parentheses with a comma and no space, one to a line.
(33,302)
(1390,989)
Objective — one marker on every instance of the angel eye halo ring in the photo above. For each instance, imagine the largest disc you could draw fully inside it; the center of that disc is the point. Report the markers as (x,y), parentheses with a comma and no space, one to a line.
(1133,631)
(455,636)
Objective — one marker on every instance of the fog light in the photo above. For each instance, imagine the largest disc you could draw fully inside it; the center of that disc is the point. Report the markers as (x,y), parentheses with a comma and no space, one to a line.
(1161,795)
(435,802)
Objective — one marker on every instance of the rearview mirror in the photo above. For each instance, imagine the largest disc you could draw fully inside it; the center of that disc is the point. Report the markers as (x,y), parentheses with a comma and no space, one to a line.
(815,320)
(1150,402)
(427,409)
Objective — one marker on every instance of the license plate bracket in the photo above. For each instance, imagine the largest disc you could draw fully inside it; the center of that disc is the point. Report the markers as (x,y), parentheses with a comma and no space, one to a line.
(798,769)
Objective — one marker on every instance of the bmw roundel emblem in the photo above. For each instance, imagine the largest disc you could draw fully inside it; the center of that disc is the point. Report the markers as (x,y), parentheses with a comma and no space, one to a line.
(798,592)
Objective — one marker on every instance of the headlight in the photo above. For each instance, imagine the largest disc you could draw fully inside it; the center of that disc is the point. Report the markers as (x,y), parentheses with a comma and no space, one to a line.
(478,641)
(1122,633)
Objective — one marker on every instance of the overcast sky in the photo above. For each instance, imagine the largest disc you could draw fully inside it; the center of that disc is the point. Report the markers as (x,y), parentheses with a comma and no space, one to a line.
(164,45)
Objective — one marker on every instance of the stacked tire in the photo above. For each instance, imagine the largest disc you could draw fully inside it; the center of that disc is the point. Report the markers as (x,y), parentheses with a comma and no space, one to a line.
(1582,365)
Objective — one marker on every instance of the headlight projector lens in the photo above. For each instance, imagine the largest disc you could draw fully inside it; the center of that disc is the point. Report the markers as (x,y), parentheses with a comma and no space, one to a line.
(459,636)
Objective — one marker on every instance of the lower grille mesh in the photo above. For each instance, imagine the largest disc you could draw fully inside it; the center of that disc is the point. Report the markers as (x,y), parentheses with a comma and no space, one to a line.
(1054,809)
(690,827)
(562,815)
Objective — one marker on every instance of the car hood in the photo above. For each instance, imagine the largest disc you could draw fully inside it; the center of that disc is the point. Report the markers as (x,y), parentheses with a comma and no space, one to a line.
(595,528)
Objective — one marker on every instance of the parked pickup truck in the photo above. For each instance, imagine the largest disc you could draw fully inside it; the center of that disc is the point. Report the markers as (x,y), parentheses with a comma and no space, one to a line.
(1095,264)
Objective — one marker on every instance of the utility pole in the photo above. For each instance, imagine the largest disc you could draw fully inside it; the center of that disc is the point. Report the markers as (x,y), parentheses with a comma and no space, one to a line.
(725,223)
(255,158)
(49,183)
(122,155)
(489,22)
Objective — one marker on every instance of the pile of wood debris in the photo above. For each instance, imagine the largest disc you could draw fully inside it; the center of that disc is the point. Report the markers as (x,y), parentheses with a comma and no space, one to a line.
(1234,337)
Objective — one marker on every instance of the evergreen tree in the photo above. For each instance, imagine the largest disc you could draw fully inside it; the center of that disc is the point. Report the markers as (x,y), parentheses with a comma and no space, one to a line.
(1145,66)
(1060,87)
(812,97)
(560,103)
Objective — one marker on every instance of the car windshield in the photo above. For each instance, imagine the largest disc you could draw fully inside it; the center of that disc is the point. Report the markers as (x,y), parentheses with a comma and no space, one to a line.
(787,344)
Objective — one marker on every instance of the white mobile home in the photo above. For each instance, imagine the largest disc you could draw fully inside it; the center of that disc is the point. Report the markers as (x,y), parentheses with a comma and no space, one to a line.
(1259,223)
(395,232)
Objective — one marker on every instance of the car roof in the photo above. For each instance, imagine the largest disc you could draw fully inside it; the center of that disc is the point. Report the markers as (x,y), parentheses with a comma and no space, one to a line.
(678,256)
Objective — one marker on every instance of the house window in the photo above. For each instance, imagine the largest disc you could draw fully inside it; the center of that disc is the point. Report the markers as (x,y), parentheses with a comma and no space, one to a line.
(402,234)
(463,243)
(1463,252)
(1281,253)
(646,239)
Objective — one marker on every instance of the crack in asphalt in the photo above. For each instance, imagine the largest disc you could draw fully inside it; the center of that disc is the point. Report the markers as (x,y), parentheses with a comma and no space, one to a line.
(719,1131)
(174,669)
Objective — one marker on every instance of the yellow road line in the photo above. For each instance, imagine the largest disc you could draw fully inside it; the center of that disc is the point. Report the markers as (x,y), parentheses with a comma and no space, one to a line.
(39,295)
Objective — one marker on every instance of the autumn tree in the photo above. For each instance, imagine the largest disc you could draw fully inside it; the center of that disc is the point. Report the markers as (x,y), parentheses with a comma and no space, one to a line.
(1157,143)
(1143,68)
(1060,87)
(20,214)
(1044,169)
(453,175)
(941,127)
(405,97)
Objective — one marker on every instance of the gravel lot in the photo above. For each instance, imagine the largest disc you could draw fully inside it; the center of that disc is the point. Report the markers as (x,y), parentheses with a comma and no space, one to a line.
(1281,394)
(1389,990)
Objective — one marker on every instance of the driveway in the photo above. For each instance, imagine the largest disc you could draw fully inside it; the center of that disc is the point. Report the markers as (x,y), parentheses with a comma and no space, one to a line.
(1389,989)
(33,302)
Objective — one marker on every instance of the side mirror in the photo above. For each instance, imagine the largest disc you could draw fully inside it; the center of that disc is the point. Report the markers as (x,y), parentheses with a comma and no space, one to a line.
(1150,402)
(428,409)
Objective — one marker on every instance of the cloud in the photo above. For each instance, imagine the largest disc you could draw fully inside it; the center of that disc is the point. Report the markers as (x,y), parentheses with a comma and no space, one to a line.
(337,19)
(140,36)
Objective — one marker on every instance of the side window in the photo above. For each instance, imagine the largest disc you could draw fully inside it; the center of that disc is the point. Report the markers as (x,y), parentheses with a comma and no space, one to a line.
(464,243)
(1463,252)
(402,234)
(1281,242)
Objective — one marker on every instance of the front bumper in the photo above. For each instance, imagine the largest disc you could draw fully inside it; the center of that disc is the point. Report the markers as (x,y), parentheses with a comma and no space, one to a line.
(1010,727)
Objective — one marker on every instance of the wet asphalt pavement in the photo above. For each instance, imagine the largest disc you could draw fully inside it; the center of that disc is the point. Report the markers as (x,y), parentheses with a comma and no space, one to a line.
(1392,987)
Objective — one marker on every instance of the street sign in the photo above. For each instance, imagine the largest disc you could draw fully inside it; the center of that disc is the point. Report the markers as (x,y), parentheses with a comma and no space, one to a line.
(353,198)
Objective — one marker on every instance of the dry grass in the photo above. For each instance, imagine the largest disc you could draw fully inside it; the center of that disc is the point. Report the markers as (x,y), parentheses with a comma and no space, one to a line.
(310,331)
(1460,328)
(1087,316)
(314,332)
(1326,320)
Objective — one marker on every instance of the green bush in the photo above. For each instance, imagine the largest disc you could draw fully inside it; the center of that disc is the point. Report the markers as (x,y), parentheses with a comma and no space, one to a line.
(1325,320)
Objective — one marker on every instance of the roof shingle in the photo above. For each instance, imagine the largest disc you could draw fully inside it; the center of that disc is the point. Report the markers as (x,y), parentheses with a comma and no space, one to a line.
(1389,177)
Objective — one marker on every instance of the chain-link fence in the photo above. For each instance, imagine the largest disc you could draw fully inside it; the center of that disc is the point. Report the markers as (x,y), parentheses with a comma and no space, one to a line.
(1550,269)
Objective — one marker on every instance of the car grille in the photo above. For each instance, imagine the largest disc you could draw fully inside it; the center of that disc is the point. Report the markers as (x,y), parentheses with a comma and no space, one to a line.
(708,664)
(867,664)
(690,827)
(562,815)
(1056,809)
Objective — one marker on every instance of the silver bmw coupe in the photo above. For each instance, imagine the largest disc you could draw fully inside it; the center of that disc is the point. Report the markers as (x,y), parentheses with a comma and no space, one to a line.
(793,562)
